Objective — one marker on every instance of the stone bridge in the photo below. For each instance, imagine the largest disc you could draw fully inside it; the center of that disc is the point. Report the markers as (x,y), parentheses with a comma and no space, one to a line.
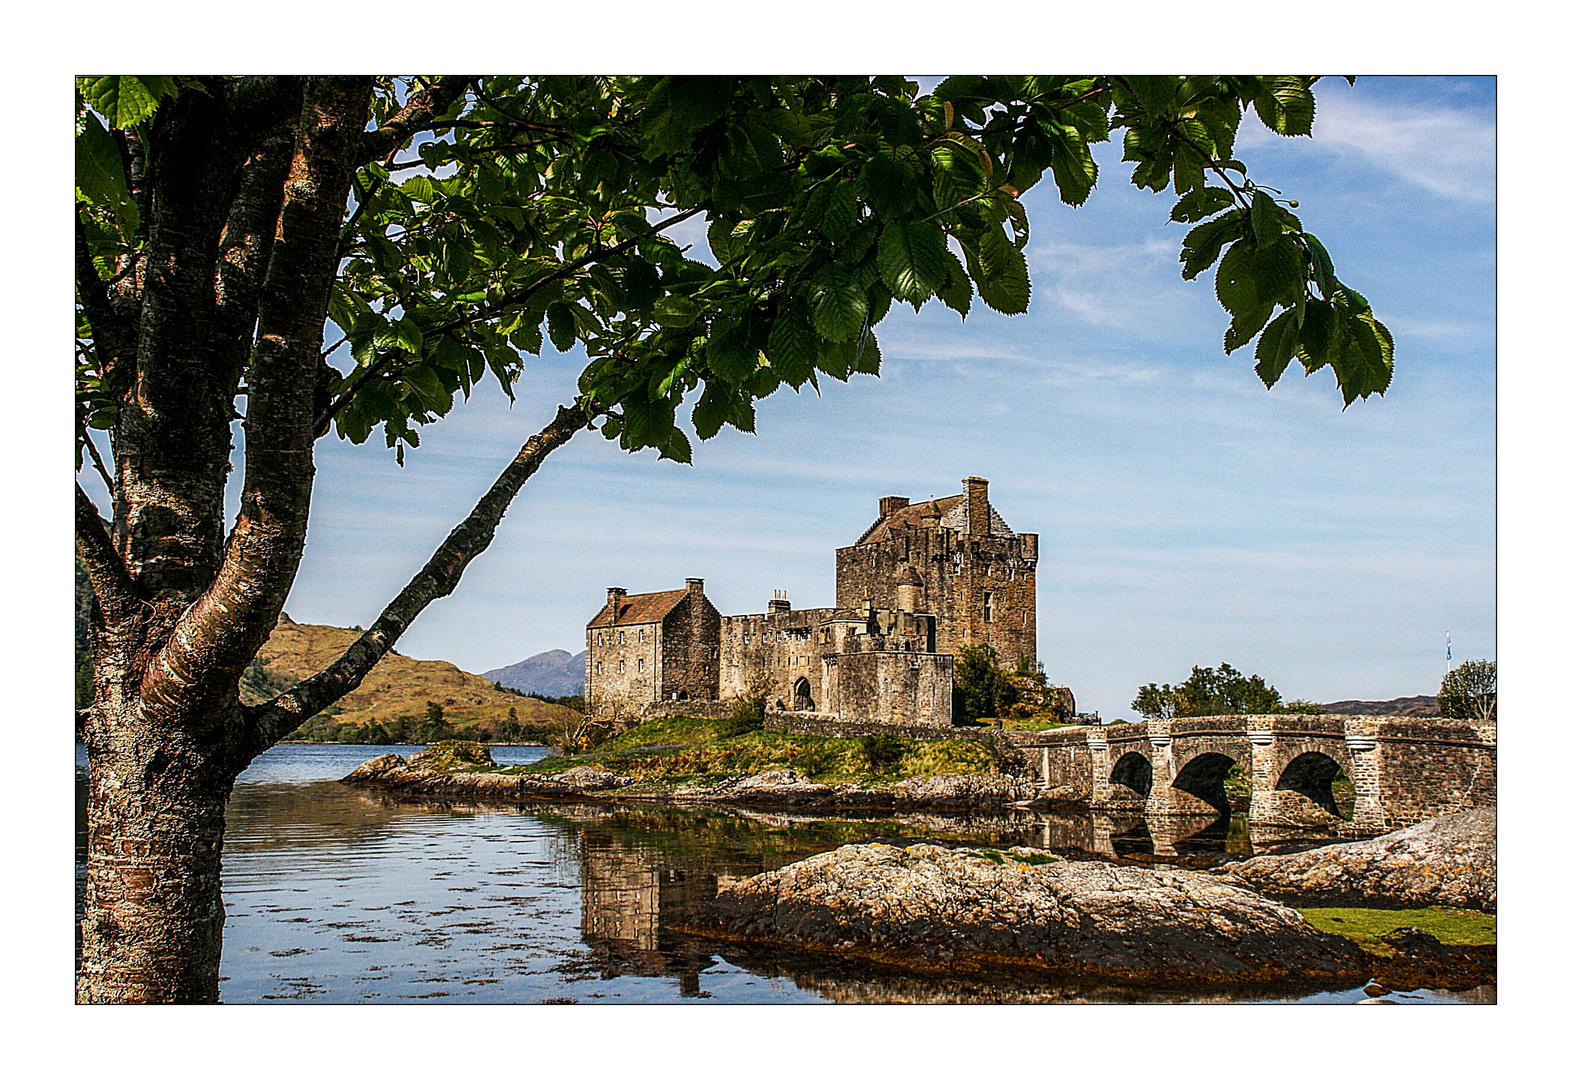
(1404,769)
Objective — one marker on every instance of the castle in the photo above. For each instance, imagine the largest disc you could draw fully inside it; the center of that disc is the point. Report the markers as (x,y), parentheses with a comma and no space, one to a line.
(922,581)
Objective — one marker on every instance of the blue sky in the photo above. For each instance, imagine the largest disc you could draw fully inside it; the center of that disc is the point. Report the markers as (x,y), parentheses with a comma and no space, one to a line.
(1188,515)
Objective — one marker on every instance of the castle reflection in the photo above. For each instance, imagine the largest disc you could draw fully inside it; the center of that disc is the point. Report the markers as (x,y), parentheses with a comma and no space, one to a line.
(645,872)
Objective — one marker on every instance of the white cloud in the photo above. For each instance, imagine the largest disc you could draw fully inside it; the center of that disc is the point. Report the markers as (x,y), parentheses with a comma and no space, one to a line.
(1450,152)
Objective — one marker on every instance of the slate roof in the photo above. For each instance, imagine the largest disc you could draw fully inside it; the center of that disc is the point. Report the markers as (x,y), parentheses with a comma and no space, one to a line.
(650,607)
(952,515)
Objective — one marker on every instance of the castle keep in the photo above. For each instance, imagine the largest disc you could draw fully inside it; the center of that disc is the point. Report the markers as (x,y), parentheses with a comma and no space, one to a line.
(922,581)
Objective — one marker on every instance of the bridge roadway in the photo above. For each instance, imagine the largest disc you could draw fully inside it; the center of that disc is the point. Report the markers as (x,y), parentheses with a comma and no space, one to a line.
(1404,769)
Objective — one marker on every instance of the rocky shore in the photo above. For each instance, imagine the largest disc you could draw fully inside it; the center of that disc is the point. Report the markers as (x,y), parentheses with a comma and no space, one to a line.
(931,908)
(443,772)
(1449,861)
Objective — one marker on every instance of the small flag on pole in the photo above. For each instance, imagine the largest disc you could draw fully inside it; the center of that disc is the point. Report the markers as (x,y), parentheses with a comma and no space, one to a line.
(1449,650)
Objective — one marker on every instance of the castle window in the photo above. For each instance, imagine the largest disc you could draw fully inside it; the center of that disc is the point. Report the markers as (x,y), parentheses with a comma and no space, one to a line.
(597,667)
(622,637)
(641,664)
(641,635)
(622,665)
(987,607)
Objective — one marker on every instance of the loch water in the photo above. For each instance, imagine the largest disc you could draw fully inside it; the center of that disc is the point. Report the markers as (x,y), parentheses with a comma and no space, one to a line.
(340,894)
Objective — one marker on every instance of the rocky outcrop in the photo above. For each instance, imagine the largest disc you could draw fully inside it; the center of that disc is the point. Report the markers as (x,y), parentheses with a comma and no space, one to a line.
(456,769)
(964,791)
(1449,861)
(450,770)
(937,909)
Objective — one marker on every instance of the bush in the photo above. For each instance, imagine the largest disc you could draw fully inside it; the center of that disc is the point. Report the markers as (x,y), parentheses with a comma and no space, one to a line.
(1005,756)
(883,750)
(1469,691)
(747,712)
(982,687)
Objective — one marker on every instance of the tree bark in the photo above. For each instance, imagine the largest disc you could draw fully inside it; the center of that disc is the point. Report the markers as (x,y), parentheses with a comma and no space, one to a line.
(153,916)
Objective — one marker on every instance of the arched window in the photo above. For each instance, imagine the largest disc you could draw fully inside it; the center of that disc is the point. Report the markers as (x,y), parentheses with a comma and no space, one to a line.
(987,607)
(622,665)
(641,664)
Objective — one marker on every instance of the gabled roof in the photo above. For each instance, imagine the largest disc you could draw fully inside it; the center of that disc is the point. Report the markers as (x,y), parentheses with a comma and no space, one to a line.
(650,607)
(951,511)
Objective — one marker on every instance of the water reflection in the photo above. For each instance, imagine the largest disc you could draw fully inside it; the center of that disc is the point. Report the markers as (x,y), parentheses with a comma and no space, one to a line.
(340,894)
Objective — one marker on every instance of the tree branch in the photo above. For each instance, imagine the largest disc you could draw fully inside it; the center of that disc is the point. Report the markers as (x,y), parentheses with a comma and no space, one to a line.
(424,106)
(98,462)
(112,336)
(274,719)
(111,583)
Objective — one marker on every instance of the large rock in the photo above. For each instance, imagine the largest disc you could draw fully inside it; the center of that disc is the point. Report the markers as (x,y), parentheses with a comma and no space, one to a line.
(932,908)
(1448,861)
(447,771)
(965,791)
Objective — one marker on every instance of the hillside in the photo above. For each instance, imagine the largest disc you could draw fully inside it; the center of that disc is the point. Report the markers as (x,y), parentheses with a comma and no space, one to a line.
(1419,705)
(397,688)
(554,673)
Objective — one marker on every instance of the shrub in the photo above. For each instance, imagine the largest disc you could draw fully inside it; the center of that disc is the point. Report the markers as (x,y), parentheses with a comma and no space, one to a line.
(1005,756)
(982,687)
(883,750)
(747,712)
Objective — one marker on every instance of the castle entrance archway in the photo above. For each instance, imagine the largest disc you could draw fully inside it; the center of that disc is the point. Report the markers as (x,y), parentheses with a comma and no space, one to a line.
(802,696)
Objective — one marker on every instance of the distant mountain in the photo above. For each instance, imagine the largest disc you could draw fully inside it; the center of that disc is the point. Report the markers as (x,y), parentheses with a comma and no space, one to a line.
(1403,706)
(398,686)
(553,673)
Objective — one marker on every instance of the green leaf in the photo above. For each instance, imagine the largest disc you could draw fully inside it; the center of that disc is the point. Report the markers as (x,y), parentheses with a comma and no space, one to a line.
(1266,221)
(1275,349)
(1236,280)
(1200,204)
(793,347)
(839,304)
(100,173)
(126,100)
(559,324)
(1074,170)
(1000,270)
(889,185)
(711,411)
(676,311)
(1204,243)
(729,351)
(956,292)
(912,259)
(1286,104)
(1321,266)
(719,235)
(677,447)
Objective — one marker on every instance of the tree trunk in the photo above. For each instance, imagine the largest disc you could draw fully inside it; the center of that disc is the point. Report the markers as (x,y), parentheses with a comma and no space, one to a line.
(153,916)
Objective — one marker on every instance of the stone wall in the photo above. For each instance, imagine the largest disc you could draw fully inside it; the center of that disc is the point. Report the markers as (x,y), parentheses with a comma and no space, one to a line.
(690,649)
(621,669)
(1433,765)
(893,688)
(788,645)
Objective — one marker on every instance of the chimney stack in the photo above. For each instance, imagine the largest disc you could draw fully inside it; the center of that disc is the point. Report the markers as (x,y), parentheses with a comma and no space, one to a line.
(779,602)
(978,517)
(696,586)
(614,598)
(891,503)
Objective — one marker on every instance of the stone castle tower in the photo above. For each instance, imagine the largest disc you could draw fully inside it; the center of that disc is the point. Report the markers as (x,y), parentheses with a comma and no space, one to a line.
(953,558)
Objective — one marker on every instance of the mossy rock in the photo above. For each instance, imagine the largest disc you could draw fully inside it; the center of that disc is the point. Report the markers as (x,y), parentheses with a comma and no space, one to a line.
(452,755)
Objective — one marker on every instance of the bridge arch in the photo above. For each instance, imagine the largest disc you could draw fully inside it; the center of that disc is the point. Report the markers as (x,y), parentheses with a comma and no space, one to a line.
(1203,776)
(1311,774)
(1134,771)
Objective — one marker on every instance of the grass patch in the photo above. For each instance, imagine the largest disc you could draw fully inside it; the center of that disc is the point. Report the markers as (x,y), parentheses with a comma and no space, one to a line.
(704,749)
(1031,723)
(1365,926)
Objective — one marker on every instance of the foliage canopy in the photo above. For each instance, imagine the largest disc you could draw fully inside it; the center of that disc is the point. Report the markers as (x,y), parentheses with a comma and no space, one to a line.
(1220,691)
(1468,692)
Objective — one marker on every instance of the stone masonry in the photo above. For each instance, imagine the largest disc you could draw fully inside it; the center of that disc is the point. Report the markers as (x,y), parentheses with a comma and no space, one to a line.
(921,582)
